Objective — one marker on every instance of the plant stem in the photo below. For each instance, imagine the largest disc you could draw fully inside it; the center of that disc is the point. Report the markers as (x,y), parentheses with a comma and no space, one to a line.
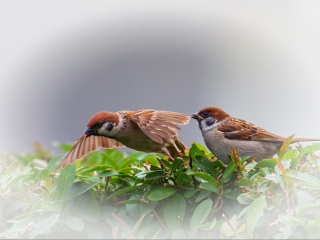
(160,221)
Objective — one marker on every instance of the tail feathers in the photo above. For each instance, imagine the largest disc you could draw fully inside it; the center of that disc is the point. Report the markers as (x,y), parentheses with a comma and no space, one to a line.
(294,140)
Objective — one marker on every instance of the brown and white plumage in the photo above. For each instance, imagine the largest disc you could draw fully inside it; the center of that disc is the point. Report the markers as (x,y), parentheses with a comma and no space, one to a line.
(144,130)
(221,133)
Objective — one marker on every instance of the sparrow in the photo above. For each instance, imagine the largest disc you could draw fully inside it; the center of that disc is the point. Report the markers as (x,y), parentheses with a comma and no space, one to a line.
(222,132)
(144,130)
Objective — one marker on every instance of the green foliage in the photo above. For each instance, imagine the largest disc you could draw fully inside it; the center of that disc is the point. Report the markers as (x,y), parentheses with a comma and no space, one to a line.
(113,194)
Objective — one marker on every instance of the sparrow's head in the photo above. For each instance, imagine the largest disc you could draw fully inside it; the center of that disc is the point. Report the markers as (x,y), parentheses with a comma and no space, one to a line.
(103,124)
(210,117)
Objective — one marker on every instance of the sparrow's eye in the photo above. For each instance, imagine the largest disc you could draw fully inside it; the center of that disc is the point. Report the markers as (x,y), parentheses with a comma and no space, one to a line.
(205,114)
(109,127)
(98,125)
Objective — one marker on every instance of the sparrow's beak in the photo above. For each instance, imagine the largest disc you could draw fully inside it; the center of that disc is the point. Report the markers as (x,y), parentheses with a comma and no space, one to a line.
(196,116)
(90,132)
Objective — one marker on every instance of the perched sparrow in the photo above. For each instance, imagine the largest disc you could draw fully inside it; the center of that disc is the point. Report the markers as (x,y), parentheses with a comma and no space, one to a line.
(221,133)
(144,130)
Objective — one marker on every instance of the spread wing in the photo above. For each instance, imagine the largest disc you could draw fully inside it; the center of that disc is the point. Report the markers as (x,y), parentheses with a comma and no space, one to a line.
(237,129)
(84,145)
(159,125)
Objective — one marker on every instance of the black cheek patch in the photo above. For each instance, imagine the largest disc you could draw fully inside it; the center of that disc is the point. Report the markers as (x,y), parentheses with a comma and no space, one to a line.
(210,122)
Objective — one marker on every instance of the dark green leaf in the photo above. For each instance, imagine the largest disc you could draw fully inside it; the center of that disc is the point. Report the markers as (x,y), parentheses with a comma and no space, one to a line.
(203,194)
(78,188)
(207,166)
(161,193)
(177,163)
(154,174)
(229,170)
(124,190)
(210,186)
(204,176)
(109,173)
(190,193)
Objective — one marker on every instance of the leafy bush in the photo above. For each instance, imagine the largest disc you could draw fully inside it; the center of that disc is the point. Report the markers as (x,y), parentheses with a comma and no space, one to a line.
(113,194)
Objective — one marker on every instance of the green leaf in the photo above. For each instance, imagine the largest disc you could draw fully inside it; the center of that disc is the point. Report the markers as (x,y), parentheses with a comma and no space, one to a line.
(285,146)
(210,186)
(307,178)
(54,162)
(196,151)
(204,176)
(207,166)
(154,174)
(269,163)
(87,207)
(43,224)
(65,180)
(190,193)
(200,215)
(177,163)
(203,194)
(276,178)
(182,177)
(124,190)
(243,182)
(227,173)
(79,188)
(291,154)
(310,149)
(175,206)
(75,223)
(161,193)
(255,212)
(96,168)
(110,173)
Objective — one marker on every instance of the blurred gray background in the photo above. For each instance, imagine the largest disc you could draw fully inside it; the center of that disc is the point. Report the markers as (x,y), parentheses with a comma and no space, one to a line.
(63,61)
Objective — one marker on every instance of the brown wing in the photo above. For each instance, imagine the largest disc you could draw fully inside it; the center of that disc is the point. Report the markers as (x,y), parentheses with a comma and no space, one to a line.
(159,125)
(237,129)
(84,145)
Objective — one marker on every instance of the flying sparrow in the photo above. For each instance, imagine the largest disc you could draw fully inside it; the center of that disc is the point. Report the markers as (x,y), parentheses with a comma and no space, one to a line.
(144,130)
(221,133)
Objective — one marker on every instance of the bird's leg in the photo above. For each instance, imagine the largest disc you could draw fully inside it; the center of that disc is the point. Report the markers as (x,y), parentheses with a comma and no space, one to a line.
(177,149)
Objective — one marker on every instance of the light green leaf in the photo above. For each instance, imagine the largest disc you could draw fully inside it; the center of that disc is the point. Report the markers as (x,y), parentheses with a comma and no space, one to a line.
(285,146)
(65,180)
(43,224)
(200,215)
(307,178)
(175,206)
(254,213)
(75,223)
(54,162)
(309,149)
(243,182)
